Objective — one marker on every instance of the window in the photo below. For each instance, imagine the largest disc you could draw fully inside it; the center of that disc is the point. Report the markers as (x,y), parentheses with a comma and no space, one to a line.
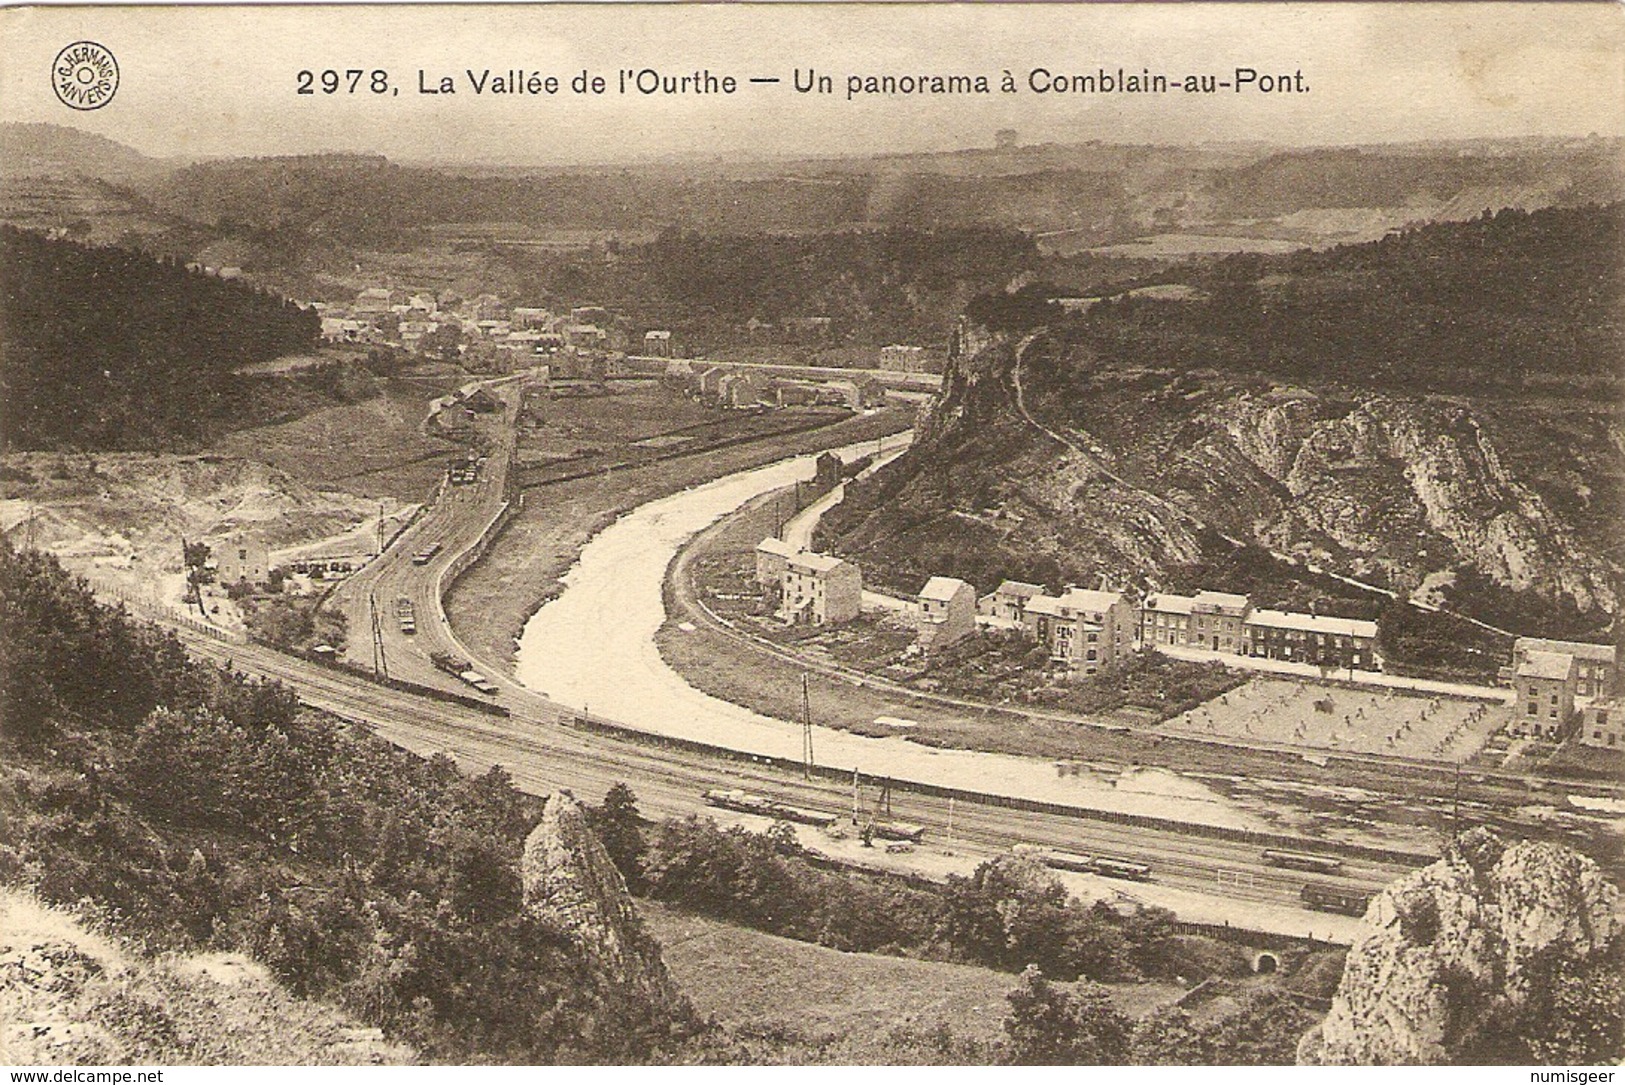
(1534,707)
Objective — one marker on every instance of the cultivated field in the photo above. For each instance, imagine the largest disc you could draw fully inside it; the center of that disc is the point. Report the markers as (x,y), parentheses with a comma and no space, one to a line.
(1341,720)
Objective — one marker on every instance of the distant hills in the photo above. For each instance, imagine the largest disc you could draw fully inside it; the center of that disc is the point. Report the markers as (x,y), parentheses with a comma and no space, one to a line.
(51,150)
(1072,196)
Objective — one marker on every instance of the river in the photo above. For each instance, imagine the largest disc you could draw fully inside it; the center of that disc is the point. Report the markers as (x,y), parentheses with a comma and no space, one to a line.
(593,647)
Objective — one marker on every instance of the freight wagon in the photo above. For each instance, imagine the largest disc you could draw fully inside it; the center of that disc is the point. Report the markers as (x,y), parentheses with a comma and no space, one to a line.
(1298,860)
(745,802)
(1105,865)
(1333,898)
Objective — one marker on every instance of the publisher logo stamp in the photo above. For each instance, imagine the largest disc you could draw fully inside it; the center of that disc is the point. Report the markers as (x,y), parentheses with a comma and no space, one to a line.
(84,75)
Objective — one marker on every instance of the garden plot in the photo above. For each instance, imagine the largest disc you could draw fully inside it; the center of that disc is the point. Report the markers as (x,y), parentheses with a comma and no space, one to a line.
(1341,720)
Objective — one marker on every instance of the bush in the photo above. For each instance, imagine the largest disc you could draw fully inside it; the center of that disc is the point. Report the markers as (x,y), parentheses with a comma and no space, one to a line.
(1051,1027)
(194,808)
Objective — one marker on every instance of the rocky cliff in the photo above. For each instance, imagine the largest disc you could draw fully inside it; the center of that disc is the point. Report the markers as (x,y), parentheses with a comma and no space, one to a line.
(1462,951)
(571,885)
(1437,408)
(1100,471)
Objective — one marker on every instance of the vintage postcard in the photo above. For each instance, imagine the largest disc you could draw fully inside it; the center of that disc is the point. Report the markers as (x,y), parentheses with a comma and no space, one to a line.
(836,534)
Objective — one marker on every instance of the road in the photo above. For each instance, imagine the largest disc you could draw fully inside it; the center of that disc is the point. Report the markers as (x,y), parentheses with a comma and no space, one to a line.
(895,377)
(453,523)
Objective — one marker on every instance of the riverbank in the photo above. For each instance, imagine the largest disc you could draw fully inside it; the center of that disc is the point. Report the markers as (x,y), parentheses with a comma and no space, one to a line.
(1327,792)
(525,565)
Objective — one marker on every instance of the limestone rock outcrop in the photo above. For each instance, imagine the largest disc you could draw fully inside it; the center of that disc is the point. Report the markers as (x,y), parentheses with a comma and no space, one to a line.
(571,885)
(1456,942)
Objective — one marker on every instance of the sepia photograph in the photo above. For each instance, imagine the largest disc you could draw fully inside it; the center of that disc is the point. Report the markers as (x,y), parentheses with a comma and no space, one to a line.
(812,534)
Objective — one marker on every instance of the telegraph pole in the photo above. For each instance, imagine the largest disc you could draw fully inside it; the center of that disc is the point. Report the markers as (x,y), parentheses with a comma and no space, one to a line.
(806,731)
(380,662)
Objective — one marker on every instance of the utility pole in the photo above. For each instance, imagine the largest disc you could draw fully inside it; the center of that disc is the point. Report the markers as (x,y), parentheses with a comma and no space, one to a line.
(806,731)
(380,662)
(950,848)
(380,529)
(854,796)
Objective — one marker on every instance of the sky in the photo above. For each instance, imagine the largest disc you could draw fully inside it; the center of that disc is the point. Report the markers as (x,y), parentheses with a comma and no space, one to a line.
(208,81)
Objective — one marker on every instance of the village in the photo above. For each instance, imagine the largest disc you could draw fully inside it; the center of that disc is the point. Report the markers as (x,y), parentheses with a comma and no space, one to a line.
(1318,680)
(589,342)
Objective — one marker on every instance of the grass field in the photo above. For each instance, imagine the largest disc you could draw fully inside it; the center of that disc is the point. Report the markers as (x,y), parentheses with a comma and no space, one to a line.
(820,997)
(372,447)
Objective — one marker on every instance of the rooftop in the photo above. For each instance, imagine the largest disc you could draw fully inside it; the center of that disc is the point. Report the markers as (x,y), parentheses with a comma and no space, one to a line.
(771,545)
(942,588)
(1537,664)
(1085,599)
(1313,623)
(1221,600)
(1170,604)
(1020,589)
(1602,653)
(1045,604)
(815,563)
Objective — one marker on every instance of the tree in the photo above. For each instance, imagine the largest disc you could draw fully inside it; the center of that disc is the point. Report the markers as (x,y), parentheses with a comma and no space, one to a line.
(443,343)
(619,826)
(1168,1038)
(1049,1027)
(1012,912)
(196,555)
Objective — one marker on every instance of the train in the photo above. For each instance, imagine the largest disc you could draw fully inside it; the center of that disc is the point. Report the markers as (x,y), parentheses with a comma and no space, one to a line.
(426,555)
(1334,898)
(407,616)
(1108,866)
(1298,860)
(745,802)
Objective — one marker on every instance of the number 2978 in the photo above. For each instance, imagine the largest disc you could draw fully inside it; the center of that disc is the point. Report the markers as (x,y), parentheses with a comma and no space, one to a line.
(348,81)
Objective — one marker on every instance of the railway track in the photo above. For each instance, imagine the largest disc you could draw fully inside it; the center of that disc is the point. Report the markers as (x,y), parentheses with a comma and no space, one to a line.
(543,754)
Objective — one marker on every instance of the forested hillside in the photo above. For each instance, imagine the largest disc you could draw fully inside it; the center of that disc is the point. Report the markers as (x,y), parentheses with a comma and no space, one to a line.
(194,809)
(875,285)
(105,348)
(1511,301)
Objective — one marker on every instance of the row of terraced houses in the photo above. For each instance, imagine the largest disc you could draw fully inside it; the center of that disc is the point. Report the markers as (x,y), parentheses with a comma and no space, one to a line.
(1561,686)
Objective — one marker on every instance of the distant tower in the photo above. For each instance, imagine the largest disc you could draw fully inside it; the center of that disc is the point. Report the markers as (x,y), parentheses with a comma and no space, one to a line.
(1006,139)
